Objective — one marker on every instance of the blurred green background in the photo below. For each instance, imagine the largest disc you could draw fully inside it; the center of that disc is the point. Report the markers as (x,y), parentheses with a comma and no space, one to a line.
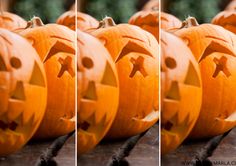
(203,10)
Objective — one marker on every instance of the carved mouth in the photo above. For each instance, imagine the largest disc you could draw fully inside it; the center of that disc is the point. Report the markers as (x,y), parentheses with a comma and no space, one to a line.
(12,125)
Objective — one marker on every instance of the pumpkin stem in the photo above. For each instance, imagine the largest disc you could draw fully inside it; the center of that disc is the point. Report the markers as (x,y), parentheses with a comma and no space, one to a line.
(189,22)
(34,22)
(106,22)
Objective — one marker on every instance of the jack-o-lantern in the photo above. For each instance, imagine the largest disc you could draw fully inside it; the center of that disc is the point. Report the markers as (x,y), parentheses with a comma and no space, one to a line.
(11,21)
(23,92)
(86,22)
(147,20)
(98,91)
(169,22)
(181,92)
(231,5)
(226,19)
(214,49)
(55,45)
(151,4)
(68,19)
(135,53)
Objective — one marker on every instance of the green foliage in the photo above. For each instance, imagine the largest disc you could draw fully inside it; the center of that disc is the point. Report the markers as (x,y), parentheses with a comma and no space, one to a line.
(119,10)
(47,10)
(203,10)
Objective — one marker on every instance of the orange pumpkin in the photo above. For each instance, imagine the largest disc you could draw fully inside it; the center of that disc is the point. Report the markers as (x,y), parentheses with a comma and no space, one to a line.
(11,21)
(151,4)
(147,20)
(86,22)
(226,19)
(169,22)
(56,47)
(98,91)
(135,53)
(181,92)
(231,5)
(23,92)
(67,19)
(214,49)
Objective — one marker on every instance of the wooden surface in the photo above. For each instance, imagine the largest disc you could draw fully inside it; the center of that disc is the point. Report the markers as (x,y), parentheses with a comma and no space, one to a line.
(219,150)
(140,150)
(30,154)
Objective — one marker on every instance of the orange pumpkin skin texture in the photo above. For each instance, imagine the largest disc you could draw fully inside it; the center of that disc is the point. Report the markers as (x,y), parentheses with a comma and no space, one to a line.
(151,4)
(98,92)
(67,19)
(231,6)
(23,92)
(214,49)
(56,47)
(181,92)
(169,22)
(135,53)
(226,19)
(11,21)
(147,20)
(86,22)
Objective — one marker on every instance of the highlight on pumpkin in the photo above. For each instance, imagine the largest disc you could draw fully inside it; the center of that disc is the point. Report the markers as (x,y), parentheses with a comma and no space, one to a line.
(197,55)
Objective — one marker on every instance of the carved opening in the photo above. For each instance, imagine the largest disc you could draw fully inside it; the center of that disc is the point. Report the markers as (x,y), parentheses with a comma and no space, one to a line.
(15,62)
(215,47)
(109,76)
(90,93)
(192,77)
(138,66)
(173,92)
(221,65)
(59,47)
(37,76)
(66,65)
(2,64)
(19,92)
(87,62)
(132,47)
(167,126)
(170,62)
(84,126)
(11,126)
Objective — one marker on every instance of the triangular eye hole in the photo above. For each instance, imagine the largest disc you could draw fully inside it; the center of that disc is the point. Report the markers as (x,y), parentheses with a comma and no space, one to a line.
(132,47)
(2,64)
(91,93)
(215,47)
(37,76)
(173,92)
(192,76)
(19,92)
(59,47)
(109,76)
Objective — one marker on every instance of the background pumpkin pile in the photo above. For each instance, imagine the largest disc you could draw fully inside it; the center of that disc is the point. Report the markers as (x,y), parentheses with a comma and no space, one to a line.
(37,81)
(198,78)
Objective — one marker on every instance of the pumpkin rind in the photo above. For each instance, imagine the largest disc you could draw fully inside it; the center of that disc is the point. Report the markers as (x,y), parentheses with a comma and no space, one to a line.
(98,92)
(11,21)
(23,92)
(181,92)
(135,53)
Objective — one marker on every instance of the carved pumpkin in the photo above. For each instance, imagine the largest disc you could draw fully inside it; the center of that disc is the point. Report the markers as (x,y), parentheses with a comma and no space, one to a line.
(181,92)
(67,19)
(214,49)
(86,22)
(23,92)
(135,53)
(226,19)
(231,5)
(151,4)
(98,91)
(11,21)
(169,22)
(56,47)
(147,20)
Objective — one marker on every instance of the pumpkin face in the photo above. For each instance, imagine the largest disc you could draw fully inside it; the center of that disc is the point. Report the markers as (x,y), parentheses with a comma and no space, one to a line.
(214,49)
(11,21)
(23,92)
(169,22)
(135,53)
(56,48)
(147,20)
(86,22)
(181,92)
(67,19)
(226,19)
(98,92)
